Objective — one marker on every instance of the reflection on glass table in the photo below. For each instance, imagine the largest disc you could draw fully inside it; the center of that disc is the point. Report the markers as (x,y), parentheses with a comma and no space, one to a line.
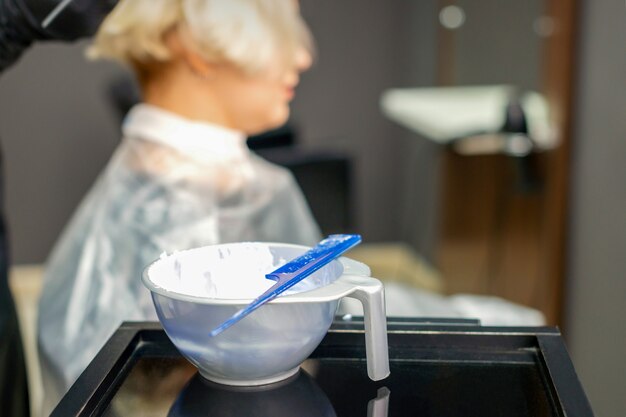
(170,387)
(439,367)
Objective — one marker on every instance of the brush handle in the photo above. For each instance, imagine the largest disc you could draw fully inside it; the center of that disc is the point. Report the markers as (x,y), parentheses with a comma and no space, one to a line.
(333,246)
(295,271)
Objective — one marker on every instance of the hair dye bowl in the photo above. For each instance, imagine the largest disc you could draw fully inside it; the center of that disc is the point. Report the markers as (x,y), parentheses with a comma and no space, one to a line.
(196,290)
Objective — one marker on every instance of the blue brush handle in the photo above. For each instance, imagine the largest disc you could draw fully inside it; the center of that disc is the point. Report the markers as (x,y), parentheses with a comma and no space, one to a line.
(295,271)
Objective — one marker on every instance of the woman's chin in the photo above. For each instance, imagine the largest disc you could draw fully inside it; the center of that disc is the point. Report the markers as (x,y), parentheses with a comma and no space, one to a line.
(277,120)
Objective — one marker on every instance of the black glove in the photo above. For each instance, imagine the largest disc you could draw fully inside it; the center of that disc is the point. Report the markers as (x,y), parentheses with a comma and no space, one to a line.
(21,23)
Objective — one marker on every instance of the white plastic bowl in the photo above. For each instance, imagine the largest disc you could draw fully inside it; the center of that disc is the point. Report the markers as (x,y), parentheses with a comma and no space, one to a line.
(270,344)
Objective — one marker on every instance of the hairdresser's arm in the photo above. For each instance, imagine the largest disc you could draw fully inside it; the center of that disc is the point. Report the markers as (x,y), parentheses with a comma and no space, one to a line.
(21,23)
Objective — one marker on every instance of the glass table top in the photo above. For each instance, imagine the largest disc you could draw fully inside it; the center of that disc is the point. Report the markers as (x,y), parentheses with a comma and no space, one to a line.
(441,369)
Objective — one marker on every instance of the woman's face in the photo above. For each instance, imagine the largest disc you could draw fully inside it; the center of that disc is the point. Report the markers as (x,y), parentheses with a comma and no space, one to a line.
(259,102)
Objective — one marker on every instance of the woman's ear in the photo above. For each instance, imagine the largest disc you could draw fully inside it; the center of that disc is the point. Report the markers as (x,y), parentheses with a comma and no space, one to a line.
(198,65)
(179,45)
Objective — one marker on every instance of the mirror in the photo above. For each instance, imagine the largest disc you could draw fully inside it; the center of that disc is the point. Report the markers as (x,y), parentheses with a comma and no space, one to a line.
(489,223)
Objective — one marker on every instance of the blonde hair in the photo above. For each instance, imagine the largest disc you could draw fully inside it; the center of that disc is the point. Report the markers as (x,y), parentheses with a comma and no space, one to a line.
(247,33)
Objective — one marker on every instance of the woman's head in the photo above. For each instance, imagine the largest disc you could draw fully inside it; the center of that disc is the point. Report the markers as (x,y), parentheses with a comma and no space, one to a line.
(246,54)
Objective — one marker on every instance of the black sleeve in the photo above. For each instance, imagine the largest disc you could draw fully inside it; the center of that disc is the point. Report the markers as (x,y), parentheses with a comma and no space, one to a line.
(21,23)
(17,32)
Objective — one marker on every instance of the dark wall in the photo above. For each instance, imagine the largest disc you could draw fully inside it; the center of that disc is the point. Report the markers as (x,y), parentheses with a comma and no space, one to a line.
(596,278)
(57,133)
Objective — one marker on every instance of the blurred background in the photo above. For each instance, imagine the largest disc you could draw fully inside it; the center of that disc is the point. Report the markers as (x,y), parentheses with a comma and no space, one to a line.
(496,206)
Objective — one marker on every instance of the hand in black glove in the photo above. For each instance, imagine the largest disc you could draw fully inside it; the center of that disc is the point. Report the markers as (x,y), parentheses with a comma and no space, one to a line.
(80,18)
(21,23)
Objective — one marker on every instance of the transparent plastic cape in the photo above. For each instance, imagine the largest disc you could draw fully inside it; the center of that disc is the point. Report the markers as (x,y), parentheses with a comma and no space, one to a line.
(150,199)
(403,300)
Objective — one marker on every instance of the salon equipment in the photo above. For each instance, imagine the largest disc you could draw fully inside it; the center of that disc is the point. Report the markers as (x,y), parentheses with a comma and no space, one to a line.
(479,120)
(269,344)
(295,271)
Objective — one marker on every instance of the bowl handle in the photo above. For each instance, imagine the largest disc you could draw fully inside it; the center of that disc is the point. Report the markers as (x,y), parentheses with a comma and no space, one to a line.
(371,293)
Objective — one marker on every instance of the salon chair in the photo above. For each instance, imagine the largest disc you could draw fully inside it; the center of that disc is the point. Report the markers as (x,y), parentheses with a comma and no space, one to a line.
(325,177)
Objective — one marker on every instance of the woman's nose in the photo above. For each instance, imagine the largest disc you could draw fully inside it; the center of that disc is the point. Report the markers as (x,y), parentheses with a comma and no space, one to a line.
(303,59)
